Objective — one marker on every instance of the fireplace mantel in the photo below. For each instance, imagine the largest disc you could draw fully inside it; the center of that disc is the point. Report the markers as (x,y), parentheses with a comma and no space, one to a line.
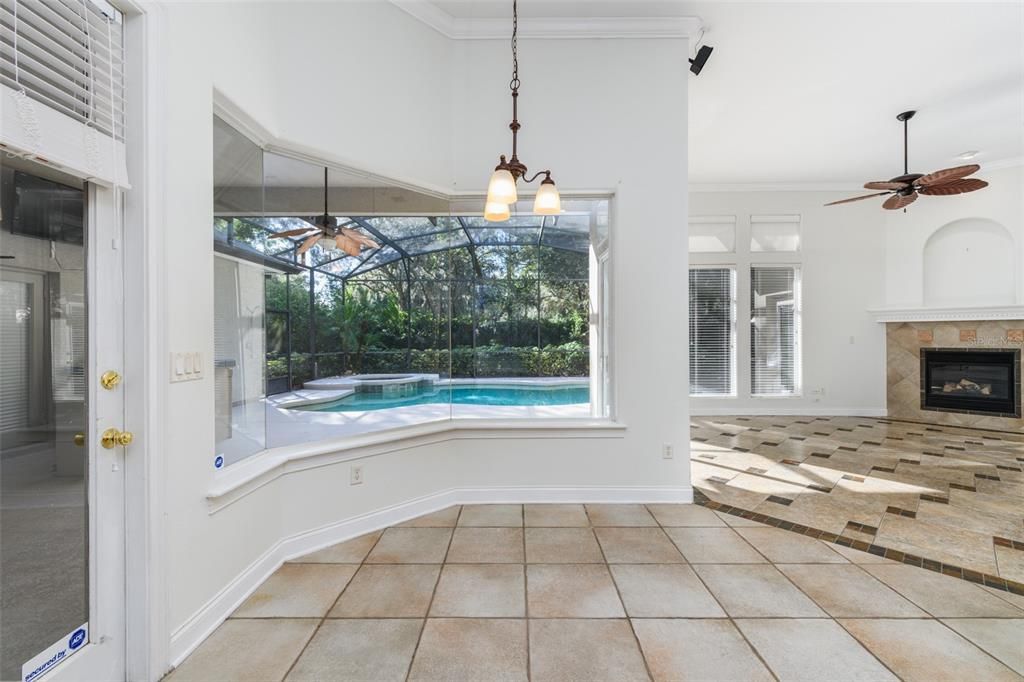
(971,313)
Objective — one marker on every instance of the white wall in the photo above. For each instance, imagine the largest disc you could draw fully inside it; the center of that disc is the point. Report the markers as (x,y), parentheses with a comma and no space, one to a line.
(367,84)
(842,261)
(907,235)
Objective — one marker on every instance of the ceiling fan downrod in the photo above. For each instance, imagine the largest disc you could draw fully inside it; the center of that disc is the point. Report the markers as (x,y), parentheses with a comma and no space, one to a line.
(905,116)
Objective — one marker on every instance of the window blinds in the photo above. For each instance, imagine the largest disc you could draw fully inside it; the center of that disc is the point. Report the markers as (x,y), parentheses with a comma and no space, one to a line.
(774,330)
(62,77)
(712,314)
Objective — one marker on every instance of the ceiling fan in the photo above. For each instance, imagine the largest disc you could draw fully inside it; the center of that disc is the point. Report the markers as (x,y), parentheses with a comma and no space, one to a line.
(329,234)
(905,188)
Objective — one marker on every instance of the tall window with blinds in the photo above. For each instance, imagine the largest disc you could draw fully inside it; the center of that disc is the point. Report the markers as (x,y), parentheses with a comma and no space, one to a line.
(774,330)
(712,324)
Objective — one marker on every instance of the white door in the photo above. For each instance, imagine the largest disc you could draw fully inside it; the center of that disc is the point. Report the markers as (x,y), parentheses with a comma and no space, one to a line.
(62,509)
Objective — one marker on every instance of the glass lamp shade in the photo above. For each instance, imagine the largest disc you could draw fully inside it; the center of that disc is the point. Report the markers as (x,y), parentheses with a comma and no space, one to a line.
(547,202)
(327,244)
(502,188)
(496,212)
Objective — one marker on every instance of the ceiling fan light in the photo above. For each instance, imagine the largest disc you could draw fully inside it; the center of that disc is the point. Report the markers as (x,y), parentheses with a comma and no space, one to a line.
(496,212)
(547,202)
(327,243)
(502,188)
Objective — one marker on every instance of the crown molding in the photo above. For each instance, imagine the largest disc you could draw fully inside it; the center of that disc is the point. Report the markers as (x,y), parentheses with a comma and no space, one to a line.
(482,28)
(950,314)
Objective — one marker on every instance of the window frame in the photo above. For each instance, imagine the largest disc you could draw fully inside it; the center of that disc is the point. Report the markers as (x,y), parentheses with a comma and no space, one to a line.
(797,269)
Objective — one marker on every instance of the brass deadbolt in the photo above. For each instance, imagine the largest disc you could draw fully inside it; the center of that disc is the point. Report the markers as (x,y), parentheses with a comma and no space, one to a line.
(111,438)
(110,380)
(80,439)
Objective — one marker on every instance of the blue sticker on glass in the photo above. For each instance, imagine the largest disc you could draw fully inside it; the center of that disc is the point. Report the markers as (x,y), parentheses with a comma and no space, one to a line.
(218,462)
(77,639)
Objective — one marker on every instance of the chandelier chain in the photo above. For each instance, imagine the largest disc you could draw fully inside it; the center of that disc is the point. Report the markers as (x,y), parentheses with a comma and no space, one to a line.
(514,83)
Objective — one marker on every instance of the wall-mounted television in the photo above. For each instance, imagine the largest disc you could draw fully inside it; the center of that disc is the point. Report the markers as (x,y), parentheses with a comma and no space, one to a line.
(45,209)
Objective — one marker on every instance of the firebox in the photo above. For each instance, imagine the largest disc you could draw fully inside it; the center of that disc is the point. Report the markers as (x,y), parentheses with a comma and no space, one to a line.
(971,380)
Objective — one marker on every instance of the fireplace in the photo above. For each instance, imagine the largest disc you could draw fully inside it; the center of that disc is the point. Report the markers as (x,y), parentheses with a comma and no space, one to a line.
(974,381)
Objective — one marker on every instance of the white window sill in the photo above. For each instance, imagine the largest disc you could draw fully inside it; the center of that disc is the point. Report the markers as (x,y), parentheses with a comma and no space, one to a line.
(242,478)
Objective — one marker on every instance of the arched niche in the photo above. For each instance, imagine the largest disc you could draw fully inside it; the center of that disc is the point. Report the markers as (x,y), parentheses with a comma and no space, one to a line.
(970,262)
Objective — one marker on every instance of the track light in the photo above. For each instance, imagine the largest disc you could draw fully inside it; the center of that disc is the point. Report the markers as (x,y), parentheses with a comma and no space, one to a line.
(698,62)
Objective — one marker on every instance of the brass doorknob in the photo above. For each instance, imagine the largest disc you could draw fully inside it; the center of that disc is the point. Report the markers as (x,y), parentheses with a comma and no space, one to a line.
(110,379)
(111,438)
(79,439)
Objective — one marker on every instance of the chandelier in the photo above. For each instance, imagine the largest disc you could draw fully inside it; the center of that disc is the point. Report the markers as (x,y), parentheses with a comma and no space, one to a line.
(501,190)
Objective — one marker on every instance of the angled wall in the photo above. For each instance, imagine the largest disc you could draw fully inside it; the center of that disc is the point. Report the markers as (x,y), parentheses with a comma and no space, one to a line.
(368,85)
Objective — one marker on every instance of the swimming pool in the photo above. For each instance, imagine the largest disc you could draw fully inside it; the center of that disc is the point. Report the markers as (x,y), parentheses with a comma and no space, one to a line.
(502,396)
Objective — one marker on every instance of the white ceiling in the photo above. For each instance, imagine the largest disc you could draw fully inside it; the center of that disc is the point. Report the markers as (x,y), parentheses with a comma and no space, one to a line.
(808,92)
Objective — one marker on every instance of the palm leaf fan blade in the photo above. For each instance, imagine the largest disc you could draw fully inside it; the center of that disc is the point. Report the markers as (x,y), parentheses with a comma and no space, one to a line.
(347,244)
(955,187)
(898,201)
(293,233)
(863,196)
(947,175)
(359,237)
(308,244)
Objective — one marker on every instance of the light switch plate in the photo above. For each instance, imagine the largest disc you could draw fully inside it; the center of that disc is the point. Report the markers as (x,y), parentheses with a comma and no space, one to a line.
(186,367)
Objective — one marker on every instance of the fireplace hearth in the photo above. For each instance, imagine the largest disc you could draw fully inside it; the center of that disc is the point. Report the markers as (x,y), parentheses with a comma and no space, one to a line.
(973,381)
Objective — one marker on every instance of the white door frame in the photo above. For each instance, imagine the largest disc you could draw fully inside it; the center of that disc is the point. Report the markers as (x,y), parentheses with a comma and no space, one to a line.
(128,633)
(148,633)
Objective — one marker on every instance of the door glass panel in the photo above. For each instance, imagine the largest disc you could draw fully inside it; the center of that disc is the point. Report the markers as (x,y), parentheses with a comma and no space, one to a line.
(44,553)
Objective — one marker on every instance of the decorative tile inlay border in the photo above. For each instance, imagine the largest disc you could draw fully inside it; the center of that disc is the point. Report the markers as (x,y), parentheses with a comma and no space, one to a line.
(861,528)
(992,581)
(934,498)
(901,512)
(1006,542)
(780,500)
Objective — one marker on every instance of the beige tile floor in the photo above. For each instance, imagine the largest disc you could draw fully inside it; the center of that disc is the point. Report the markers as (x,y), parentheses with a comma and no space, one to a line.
(662,592)
(948,494)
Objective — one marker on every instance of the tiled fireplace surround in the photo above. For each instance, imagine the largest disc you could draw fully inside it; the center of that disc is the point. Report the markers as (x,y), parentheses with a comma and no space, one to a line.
(904,341)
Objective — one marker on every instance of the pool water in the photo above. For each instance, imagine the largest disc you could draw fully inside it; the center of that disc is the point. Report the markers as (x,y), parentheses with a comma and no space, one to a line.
(460,395)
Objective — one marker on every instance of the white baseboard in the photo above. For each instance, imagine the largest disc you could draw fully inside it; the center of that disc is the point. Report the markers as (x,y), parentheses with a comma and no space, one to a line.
(775,411)
(201,624)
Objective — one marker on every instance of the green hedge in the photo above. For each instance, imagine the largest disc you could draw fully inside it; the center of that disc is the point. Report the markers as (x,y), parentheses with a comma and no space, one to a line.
(565,360)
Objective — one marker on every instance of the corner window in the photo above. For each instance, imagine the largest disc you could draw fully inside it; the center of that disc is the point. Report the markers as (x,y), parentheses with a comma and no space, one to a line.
(346,306)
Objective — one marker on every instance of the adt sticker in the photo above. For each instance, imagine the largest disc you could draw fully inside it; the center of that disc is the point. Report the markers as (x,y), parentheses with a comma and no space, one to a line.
(218,462)
(77,639)
(55,654)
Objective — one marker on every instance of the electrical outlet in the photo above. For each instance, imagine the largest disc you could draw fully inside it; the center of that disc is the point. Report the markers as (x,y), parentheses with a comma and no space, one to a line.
(355,475)
(667,451)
